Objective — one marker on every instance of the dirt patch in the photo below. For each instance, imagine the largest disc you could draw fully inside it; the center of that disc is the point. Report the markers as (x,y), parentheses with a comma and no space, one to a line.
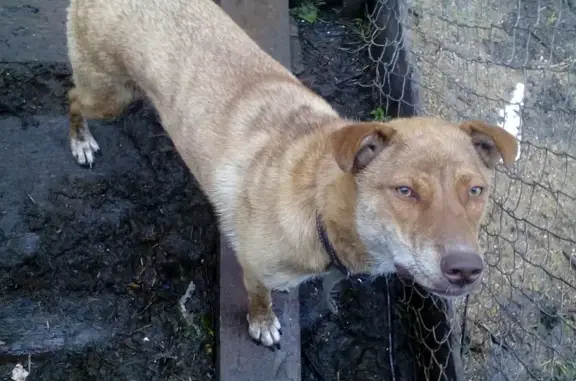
(33,88)
(334,66)
(94,261)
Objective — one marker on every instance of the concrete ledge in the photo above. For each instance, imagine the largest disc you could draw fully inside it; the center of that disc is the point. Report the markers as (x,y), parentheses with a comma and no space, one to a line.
(33,30)
(239,359)
(266,21)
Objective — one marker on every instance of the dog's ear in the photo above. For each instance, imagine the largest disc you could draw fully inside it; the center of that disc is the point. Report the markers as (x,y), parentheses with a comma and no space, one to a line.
(492,143)
(356,145)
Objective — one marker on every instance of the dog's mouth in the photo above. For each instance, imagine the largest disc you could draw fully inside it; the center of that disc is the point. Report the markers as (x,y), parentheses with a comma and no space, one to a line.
(451,292)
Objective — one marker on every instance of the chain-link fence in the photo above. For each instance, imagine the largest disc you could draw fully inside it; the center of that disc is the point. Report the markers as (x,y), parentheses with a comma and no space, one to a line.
(511,63)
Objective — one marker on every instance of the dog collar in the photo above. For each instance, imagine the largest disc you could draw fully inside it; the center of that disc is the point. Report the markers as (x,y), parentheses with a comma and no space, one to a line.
(334,260)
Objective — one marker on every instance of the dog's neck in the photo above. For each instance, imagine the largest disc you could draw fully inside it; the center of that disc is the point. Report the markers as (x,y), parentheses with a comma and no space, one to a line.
(331,194)
(335,261)
(337,207)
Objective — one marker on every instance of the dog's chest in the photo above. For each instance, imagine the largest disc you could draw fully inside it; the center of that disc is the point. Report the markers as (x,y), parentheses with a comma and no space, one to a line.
(285,282)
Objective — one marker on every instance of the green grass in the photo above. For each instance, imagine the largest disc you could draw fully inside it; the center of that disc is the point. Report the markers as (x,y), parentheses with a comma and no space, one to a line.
(364,28)
(308,10)
(379,114)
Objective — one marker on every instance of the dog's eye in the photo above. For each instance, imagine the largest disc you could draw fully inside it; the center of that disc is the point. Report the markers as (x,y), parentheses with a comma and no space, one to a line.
(405,192)
(475,191)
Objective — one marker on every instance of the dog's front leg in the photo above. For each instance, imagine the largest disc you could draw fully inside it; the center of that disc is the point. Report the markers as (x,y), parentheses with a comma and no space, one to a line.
(263,325)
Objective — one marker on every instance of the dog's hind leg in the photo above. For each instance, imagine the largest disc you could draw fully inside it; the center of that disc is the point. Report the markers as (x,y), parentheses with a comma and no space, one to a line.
(95,96)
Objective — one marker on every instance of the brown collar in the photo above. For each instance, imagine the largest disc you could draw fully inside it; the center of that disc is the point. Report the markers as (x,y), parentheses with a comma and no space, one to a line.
(334,260)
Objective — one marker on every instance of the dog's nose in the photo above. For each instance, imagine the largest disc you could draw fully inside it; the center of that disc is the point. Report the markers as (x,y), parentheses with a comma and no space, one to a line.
(462,268)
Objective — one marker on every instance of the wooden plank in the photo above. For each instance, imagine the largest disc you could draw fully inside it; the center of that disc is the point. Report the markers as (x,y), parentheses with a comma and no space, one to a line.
(266,21)
(239,359)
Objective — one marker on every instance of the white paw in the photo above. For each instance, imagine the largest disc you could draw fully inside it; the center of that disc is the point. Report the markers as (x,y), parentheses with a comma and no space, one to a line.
(84,150)
(265,330)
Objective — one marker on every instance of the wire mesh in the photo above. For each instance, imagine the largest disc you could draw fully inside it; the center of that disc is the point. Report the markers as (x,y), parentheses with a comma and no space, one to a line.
(511,63)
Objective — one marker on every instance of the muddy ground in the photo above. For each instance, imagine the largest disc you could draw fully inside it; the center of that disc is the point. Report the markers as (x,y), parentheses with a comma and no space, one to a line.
(93,261)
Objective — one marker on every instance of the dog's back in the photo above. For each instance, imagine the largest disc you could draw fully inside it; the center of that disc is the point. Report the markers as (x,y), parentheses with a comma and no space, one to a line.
(223,101)
(161,39)
(189,58)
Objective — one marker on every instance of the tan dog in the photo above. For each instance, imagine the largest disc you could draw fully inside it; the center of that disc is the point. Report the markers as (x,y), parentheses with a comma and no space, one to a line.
(298,189)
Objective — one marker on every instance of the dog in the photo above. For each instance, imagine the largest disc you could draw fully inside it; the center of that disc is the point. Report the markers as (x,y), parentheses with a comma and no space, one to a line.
(299,191)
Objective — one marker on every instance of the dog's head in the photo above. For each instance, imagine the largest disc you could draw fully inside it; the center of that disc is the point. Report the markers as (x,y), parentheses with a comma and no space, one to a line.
(422,186)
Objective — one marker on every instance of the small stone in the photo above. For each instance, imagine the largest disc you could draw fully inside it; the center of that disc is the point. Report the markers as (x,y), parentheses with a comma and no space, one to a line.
(19,373)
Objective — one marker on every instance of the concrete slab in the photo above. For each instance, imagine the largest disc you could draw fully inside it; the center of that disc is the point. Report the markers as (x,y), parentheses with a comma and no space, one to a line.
(33,31)
(268,23)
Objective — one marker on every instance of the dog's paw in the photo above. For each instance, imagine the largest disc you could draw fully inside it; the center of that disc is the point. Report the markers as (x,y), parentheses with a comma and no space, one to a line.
(265,330)
(84,149)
